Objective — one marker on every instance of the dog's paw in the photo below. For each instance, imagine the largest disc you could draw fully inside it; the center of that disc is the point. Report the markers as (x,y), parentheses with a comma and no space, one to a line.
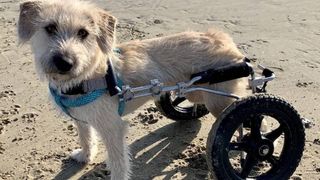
(80,156)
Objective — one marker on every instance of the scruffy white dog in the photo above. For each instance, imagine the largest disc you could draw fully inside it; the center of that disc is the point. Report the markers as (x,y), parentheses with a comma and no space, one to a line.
(71,42)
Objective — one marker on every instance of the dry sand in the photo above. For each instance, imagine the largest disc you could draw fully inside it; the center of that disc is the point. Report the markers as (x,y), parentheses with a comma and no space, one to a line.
(35,141)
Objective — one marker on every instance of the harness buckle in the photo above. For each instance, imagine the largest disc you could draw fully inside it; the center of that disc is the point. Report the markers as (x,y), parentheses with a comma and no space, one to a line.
(126,94)
(182,86)
(156,87)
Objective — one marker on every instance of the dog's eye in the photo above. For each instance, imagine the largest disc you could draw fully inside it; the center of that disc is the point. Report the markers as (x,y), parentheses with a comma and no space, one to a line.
(51,29)
(82,33)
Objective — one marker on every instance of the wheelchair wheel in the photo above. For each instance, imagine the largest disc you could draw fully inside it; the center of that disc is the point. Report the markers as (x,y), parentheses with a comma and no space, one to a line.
(235,152)
(179,109)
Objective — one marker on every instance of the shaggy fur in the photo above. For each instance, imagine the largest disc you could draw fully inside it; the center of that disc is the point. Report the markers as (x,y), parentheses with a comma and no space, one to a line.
(170,59)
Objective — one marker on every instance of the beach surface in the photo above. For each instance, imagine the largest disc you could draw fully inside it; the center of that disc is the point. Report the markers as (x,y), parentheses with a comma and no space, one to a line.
(35,140)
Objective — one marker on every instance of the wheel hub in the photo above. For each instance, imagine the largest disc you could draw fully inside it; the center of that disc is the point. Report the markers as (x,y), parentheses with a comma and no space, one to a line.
(264,149)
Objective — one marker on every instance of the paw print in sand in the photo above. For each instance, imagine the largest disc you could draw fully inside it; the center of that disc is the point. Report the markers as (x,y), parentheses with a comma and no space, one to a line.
(29,117)
(12,111)
(7,116)
(7,94)
(15,109)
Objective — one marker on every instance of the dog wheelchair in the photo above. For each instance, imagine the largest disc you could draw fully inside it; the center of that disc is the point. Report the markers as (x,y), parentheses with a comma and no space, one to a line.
(237,147)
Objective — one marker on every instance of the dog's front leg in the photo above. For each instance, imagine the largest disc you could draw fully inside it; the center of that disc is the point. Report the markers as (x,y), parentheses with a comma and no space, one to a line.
(112,132)
(87,142)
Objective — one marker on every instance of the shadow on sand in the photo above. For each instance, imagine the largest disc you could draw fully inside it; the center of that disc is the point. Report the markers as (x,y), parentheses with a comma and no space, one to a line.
(151,154)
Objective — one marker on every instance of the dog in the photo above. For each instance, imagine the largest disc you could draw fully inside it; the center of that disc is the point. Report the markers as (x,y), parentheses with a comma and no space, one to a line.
(71,42)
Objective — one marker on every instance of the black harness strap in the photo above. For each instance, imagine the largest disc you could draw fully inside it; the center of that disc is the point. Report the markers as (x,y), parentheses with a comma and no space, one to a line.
(111,79)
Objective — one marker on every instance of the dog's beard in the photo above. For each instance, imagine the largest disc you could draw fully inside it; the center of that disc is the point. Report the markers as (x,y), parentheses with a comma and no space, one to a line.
(62,82)
(71,79)
(59,77)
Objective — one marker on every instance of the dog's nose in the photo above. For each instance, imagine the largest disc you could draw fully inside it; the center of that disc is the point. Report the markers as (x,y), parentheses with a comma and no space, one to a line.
(61,63)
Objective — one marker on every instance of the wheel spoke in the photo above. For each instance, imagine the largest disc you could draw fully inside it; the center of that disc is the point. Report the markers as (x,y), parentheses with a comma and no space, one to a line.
(274,161)
(249,163)
(234,146)
(178,100)
(255,127)
(194,110)
(273,135)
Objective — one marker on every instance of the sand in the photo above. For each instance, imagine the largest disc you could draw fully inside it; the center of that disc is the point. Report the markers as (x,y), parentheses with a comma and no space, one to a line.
(35,140)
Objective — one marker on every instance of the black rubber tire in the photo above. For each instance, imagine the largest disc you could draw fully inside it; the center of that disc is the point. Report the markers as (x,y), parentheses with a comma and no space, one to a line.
(235,115)
(176,113)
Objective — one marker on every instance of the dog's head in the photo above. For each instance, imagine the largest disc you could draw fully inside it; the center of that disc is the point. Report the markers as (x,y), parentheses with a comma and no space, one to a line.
(67,37)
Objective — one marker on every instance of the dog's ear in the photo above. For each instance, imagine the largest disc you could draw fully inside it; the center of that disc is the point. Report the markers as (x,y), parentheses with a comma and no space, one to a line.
(107,28)
(29,11)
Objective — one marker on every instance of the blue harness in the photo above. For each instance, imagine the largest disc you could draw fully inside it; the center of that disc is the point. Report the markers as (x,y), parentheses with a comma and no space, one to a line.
(114,85)
(65,102)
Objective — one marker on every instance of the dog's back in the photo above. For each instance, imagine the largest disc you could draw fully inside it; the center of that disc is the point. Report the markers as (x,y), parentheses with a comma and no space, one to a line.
(175,58)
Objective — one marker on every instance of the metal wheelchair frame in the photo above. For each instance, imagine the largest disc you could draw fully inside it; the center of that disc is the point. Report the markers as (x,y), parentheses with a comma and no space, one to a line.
(156,88)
